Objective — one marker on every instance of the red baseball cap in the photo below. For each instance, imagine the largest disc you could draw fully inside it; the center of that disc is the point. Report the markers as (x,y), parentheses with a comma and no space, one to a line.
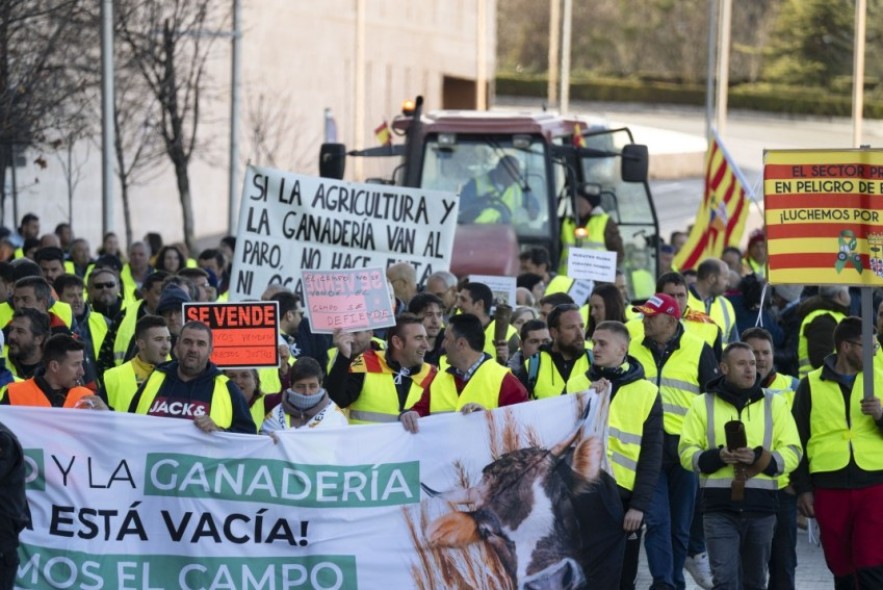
(660,303)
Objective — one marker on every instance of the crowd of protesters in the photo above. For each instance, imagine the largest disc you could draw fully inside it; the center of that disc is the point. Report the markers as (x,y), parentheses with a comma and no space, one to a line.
(736,407)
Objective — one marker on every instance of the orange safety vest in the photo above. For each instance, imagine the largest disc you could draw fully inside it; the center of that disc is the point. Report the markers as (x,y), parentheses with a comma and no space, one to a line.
(28,393)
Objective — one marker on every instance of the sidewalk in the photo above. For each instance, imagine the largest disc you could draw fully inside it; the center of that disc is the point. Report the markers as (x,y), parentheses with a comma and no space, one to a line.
(812,573)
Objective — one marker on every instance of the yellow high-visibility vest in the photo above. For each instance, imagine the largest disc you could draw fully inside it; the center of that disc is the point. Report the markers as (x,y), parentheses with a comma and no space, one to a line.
(594,239)
(833,438)
(679,381)
(482,388)
(803,344)
(379,400)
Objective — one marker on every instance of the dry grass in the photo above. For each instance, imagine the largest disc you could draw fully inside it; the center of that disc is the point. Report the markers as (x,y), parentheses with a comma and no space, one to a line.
(476,566)
(437,568)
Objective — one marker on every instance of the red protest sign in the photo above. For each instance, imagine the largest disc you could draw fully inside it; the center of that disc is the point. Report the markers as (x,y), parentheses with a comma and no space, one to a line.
(244,334)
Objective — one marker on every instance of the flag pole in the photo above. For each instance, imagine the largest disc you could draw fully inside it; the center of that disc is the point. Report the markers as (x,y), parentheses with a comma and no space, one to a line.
(749,189)
(858,73)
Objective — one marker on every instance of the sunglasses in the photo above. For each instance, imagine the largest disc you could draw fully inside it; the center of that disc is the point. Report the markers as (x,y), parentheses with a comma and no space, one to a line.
(107,285)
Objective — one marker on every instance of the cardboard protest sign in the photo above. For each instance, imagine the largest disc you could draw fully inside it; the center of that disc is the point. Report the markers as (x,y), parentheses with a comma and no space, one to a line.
(351,300)
(243,334)
(290,222)
(502,287)
(591,265)
(823,216)
(581,290)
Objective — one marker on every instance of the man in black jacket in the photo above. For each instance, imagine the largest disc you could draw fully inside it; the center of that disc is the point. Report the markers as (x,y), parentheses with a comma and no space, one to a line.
(840,480)
(634,446)
(14,512)
(193,388)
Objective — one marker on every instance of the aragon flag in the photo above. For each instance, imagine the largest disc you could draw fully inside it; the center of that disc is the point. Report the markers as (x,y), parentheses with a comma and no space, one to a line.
(723,210)
(579,140)
(383,134)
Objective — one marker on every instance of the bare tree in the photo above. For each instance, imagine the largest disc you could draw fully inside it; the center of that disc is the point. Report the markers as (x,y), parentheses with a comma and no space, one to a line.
(275,139)
(138,145)
(44,73)
(72,162)
(169,44)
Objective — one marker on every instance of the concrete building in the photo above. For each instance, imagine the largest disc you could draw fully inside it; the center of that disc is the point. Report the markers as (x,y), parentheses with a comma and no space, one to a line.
(358,58)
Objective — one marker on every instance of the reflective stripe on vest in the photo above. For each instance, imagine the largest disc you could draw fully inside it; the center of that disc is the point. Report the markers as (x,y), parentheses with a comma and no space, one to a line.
(220,406)
(720,310)
(717,414)
(804,365)
(549,382)
(784,385)
(379,399)
(483,388)
(629,410)
(832,438)
(28,393)
(679,380)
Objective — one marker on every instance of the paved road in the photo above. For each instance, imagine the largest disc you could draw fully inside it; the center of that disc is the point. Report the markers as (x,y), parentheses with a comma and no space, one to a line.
(746,136)
(812,573)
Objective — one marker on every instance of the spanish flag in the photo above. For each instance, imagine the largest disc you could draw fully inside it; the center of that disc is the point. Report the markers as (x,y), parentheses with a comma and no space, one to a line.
(383,135)
(722,212)
(578,140)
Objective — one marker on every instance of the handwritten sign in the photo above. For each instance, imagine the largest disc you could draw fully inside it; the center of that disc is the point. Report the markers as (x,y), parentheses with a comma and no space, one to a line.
(502,287)
(243,334)
(823,216)
(592,265)
(351,300)
(289,222)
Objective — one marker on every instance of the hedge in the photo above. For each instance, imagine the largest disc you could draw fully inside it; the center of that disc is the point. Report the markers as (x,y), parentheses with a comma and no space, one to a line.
(758,97)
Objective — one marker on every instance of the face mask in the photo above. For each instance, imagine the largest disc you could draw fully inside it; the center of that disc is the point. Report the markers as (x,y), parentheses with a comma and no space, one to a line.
(302,401)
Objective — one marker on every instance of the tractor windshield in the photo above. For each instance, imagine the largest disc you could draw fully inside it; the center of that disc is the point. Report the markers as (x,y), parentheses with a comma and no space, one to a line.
(500,179)
(630,205)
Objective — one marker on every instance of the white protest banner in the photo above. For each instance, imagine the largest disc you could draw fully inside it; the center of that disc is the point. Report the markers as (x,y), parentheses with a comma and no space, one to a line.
(126,501)
(290,222)
(502,287)
(348,299)
(594,265)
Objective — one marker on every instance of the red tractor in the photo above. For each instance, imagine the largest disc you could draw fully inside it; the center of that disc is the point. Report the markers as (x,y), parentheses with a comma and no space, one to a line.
(548,157)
